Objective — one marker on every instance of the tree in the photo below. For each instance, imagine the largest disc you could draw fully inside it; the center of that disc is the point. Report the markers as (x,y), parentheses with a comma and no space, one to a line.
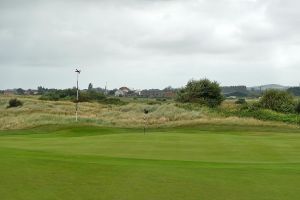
(20,91)
(201,91)
(90,86)
(169,88)
(112,92)
(294,90)
(41,90)
(280,101)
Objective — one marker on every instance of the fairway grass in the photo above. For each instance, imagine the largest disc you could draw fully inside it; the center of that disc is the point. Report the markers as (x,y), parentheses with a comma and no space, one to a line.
(205,162)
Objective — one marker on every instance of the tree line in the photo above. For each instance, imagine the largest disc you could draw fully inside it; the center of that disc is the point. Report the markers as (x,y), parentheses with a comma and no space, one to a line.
(203,92)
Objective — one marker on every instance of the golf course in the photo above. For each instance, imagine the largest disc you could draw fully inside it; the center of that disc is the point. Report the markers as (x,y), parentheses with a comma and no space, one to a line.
(70,162)
(150,100)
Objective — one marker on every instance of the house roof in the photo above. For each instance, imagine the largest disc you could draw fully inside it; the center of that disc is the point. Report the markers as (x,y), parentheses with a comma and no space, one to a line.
(124,88)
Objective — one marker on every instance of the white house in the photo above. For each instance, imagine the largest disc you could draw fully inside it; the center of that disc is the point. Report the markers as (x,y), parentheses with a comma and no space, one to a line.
(119,93)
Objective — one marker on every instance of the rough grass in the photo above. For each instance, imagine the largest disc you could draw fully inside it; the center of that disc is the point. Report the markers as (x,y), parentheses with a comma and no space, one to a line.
(229,108)
(217,162)
(36,112)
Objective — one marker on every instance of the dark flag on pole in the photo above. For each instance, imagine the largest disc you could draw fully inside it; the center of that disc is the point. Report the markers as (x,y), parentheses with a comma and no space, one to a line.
(145,119)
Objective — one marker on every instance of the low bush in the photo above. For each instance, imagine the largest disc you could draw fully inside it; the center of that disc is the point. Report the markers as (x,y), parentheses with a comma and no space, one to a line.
(240,101)
(280,101)
(113,101)
(297,107)
(154,103)
(91,95)
(70,94)
(14,103)
(55,95)
(51,96)
(255,110)
(161,99)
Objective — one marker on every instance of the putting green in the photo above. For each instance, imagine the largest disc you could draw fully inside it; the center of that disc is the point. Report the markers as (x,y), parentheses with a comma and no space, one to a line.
(209,162)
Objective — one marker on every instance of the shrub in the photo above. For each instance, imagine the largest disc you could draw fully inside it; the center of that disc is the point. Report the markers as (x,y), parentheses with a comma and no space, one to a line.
(91,95)
(297,107)
(280,101)
(113,101)
(294,90)
(153,103)
(256,111)
(203,92)
(14,103)
(51,96)
(240,101)
(161,99)
(55,95)
(70,94)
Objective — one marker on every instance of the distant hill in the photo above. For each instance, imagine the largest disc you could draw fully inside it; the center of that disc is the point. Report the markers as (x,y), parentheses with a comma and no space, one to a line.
(269,86)
(236,91)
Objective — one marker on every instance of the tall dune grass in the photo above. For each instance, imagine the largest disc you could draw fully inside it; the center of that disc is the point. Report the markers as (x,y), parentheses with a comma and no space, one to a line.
(36,112)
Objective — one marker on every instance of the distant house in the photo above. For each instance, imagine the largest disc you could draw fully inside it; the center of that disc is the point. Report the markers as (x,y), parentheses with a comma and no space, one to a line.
(137,92)
(9,92)
(123,91)
(119,93)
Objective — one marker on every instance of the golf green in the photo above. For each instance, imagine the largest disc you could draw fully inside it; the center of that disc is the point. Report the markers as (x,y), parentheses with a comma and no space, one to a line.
(207,162)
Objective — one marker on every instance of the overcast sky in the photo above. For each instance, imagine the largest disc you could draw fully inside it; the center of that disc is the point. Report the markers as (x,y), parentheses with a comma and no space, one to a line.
(148,43)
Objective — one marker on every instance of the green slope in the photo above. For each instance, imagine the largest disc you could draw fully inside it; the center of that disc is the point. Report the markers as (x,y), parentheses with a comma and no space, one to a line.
(208,162)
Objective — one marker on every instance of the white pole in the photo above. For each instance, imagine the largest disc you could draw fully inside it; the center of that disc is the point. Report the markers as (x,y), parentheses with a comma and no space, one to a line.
(77,99)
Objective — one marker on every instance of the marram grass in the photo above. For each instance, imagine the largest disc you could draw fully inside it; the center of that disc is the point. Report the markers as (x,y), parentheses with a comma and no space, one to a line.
(36,112)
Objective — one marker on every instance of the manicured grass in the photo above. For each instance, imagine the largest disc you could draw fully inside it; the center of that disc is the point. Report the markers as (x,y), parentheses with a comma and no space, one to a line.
(207,162)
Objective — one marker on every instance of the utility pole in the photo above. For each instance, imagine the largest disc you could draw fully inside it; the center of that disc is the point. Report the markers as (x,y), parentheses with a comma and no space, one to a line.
(77,98)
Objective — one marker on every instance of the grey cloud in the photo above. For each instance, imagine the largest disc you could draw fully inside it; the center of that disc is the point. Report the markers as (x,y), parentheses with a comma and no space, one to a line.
(128,42)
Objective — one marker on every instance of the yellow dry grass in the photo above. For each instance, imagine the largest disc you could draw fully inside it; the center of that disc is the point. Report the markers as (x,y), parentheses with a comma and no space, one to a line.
(35,112)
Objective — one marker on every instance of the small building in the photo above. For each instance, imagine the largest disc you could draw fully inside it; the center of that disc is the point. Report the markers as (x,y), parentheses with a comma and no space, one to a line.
(119,93)
(125,89)
(137,92)
(9,92)
(122,91)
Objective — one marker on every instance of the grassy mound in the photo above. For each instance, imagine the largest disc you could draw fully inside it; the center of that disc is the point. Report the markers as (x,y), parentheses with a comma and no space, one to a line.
(36,112)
